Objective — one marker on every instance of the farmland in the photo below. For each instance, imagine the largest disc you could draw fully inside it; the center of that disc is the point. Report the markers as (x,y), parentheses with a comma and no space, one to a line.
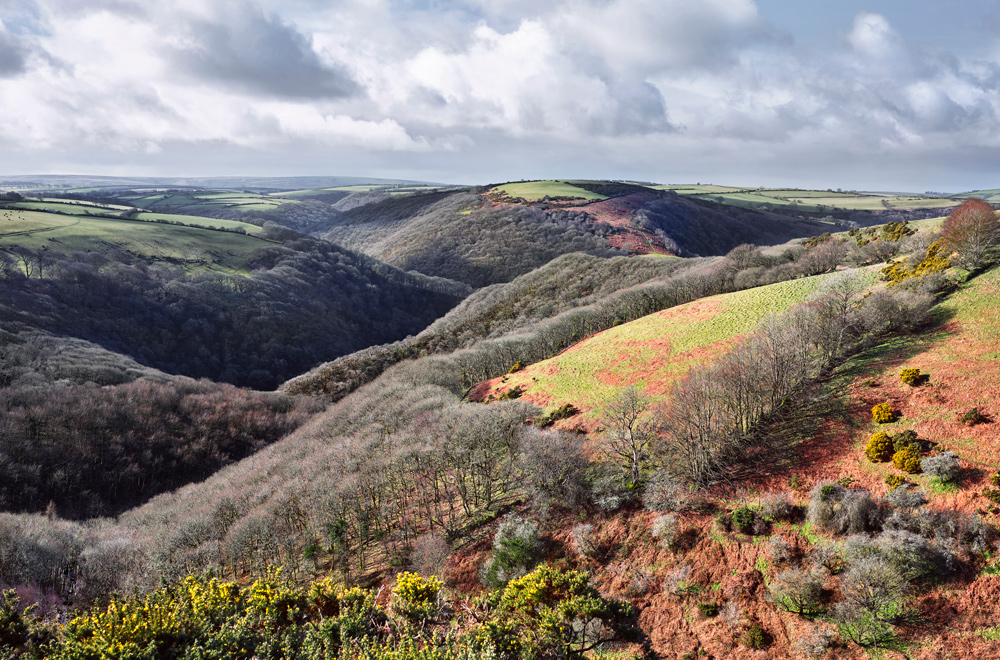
(192,247)
(813,201)
(534,191)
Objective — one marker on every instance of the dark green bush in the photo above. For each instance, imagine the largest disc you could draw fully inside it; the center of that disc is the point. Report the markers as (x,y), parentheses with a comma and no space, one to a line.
(743,519)
(973,417)
(755,637)
(708,609)
(562,412)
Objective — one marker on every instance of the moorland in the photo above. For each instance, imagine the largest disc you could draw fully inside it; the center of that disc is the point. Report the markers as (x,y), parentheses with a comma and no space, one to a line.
(352,418)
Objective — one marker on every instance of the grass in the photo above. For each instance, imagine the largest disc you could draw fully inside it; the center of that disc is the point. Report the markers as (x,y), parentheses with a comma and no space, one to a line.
(196,221)
(191,247)
(651,351)
(534,191)
(63,207)
(807,200)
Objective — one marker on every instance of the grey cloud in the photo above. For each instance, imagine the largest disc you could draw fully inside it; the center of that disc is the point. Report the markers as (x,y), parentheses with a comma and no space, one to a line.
(13,58)
(260,54)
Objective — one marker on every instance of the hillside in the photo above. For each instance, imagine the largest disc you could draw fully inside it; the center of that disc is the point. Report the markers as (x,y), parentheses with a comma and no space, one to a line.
(651,352)
(449,235)
(688,443)
(250,310)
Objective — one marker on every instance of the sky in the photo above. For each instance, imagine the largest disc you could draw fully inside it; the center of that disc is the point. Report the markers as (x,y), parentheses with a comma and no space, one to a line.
(852,94)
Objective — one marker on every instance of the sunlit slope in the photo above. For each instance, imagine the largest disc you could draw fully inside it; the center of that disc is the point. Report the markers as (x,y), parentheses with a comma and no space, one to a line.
(191,247)
(651,352)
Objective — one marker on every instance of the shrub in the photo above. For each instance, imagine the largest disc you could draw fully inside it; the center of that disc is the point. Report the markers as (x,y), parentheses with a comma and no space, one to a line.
(838,510)
(778,506)
(755,637)
(944,467)
(708,609)
(662,493)
(516,550)
(879,448)
(797,591)
(415,597)
(907,460)
(883,413)
(895,481)
(584,540)
(667,529)
(517,366)
(913,377)
(973,417)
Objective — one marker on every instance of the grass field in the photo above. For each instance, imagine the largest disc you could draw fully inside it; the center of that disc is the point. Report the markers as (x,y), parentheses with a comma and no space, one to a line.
(650,352)
(534,191)
(195,221)
(66,207)
(807,200)
(191,247)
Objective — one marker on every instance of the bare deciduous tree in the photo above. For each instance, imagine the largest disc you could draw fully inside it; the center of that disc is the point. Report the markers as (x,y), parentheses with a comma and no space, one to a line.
(628,437)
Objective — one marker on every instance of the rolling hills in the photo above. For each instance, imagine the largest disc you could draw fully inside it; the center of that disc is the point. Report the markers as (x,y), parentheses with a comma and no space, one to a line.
(711,482)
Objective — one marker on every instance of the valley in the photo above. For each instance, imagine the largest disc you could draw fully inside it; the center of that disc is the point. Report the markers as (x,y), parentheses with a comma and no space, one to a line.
(346,418)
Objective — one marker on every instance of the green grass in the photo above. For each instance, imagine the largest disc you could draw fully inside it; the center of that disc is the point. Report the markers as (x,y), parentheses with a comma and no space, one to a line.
(807,200)
(651,351)
(534,191)
(63,207)
(196,221)
(191,247)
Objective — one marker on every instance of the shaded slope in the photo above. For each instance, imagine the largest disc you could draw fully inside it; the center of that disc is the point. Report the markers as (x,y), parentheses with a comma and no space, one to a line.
(304,302)
(452,235)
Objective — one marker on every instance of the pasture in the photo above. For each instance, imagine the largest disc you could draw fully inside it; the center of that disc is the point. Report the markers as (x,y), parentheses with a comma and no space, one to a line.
(535,191)
(193,248)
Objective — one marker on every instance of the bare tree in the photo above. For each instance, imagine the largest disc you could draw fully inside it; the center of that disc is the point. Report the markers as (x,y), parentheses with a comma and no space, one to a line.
(628,437)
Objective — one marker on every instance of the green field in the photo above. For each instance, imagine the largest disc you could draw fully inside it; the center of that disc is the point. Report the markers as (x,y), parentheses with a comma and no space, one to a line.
(651,351)
(534,191)
(68,207)
(813,201)
(196,221)
(191,247)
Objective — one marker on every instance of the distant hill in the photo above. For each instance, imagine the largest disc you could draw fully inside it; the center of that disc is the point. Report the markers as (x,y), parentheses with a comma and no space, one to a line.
(232,182)
(248,310)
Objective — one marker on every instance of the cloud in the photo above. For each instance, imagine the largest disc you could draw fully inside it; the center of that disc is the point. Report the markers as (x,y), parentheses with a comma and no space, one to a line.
(12,54)
(486,87)
(243,48)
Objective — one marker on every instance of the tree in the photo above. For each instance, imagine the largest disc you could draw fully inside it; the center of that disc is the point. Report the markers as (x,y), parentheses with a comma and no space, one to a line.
(973,231)
(628,438)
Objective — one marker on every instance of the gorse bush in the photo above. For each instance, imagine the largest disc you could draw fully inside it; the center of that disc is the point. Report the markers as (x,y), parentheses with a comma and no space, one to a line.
(879,448)
(416,597)
(908,459)
(883,413)
(913,377)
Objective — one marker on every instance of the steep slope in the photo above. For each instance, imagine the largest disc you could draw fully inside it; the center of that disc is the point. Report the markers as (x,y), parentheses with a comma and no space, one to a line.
(281,304)
(452,235)
(651,352)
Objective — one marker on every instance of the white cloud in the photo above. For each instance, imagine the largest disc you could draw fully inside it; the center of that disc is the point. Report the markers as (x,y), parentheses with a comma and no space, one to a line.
(640,85)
